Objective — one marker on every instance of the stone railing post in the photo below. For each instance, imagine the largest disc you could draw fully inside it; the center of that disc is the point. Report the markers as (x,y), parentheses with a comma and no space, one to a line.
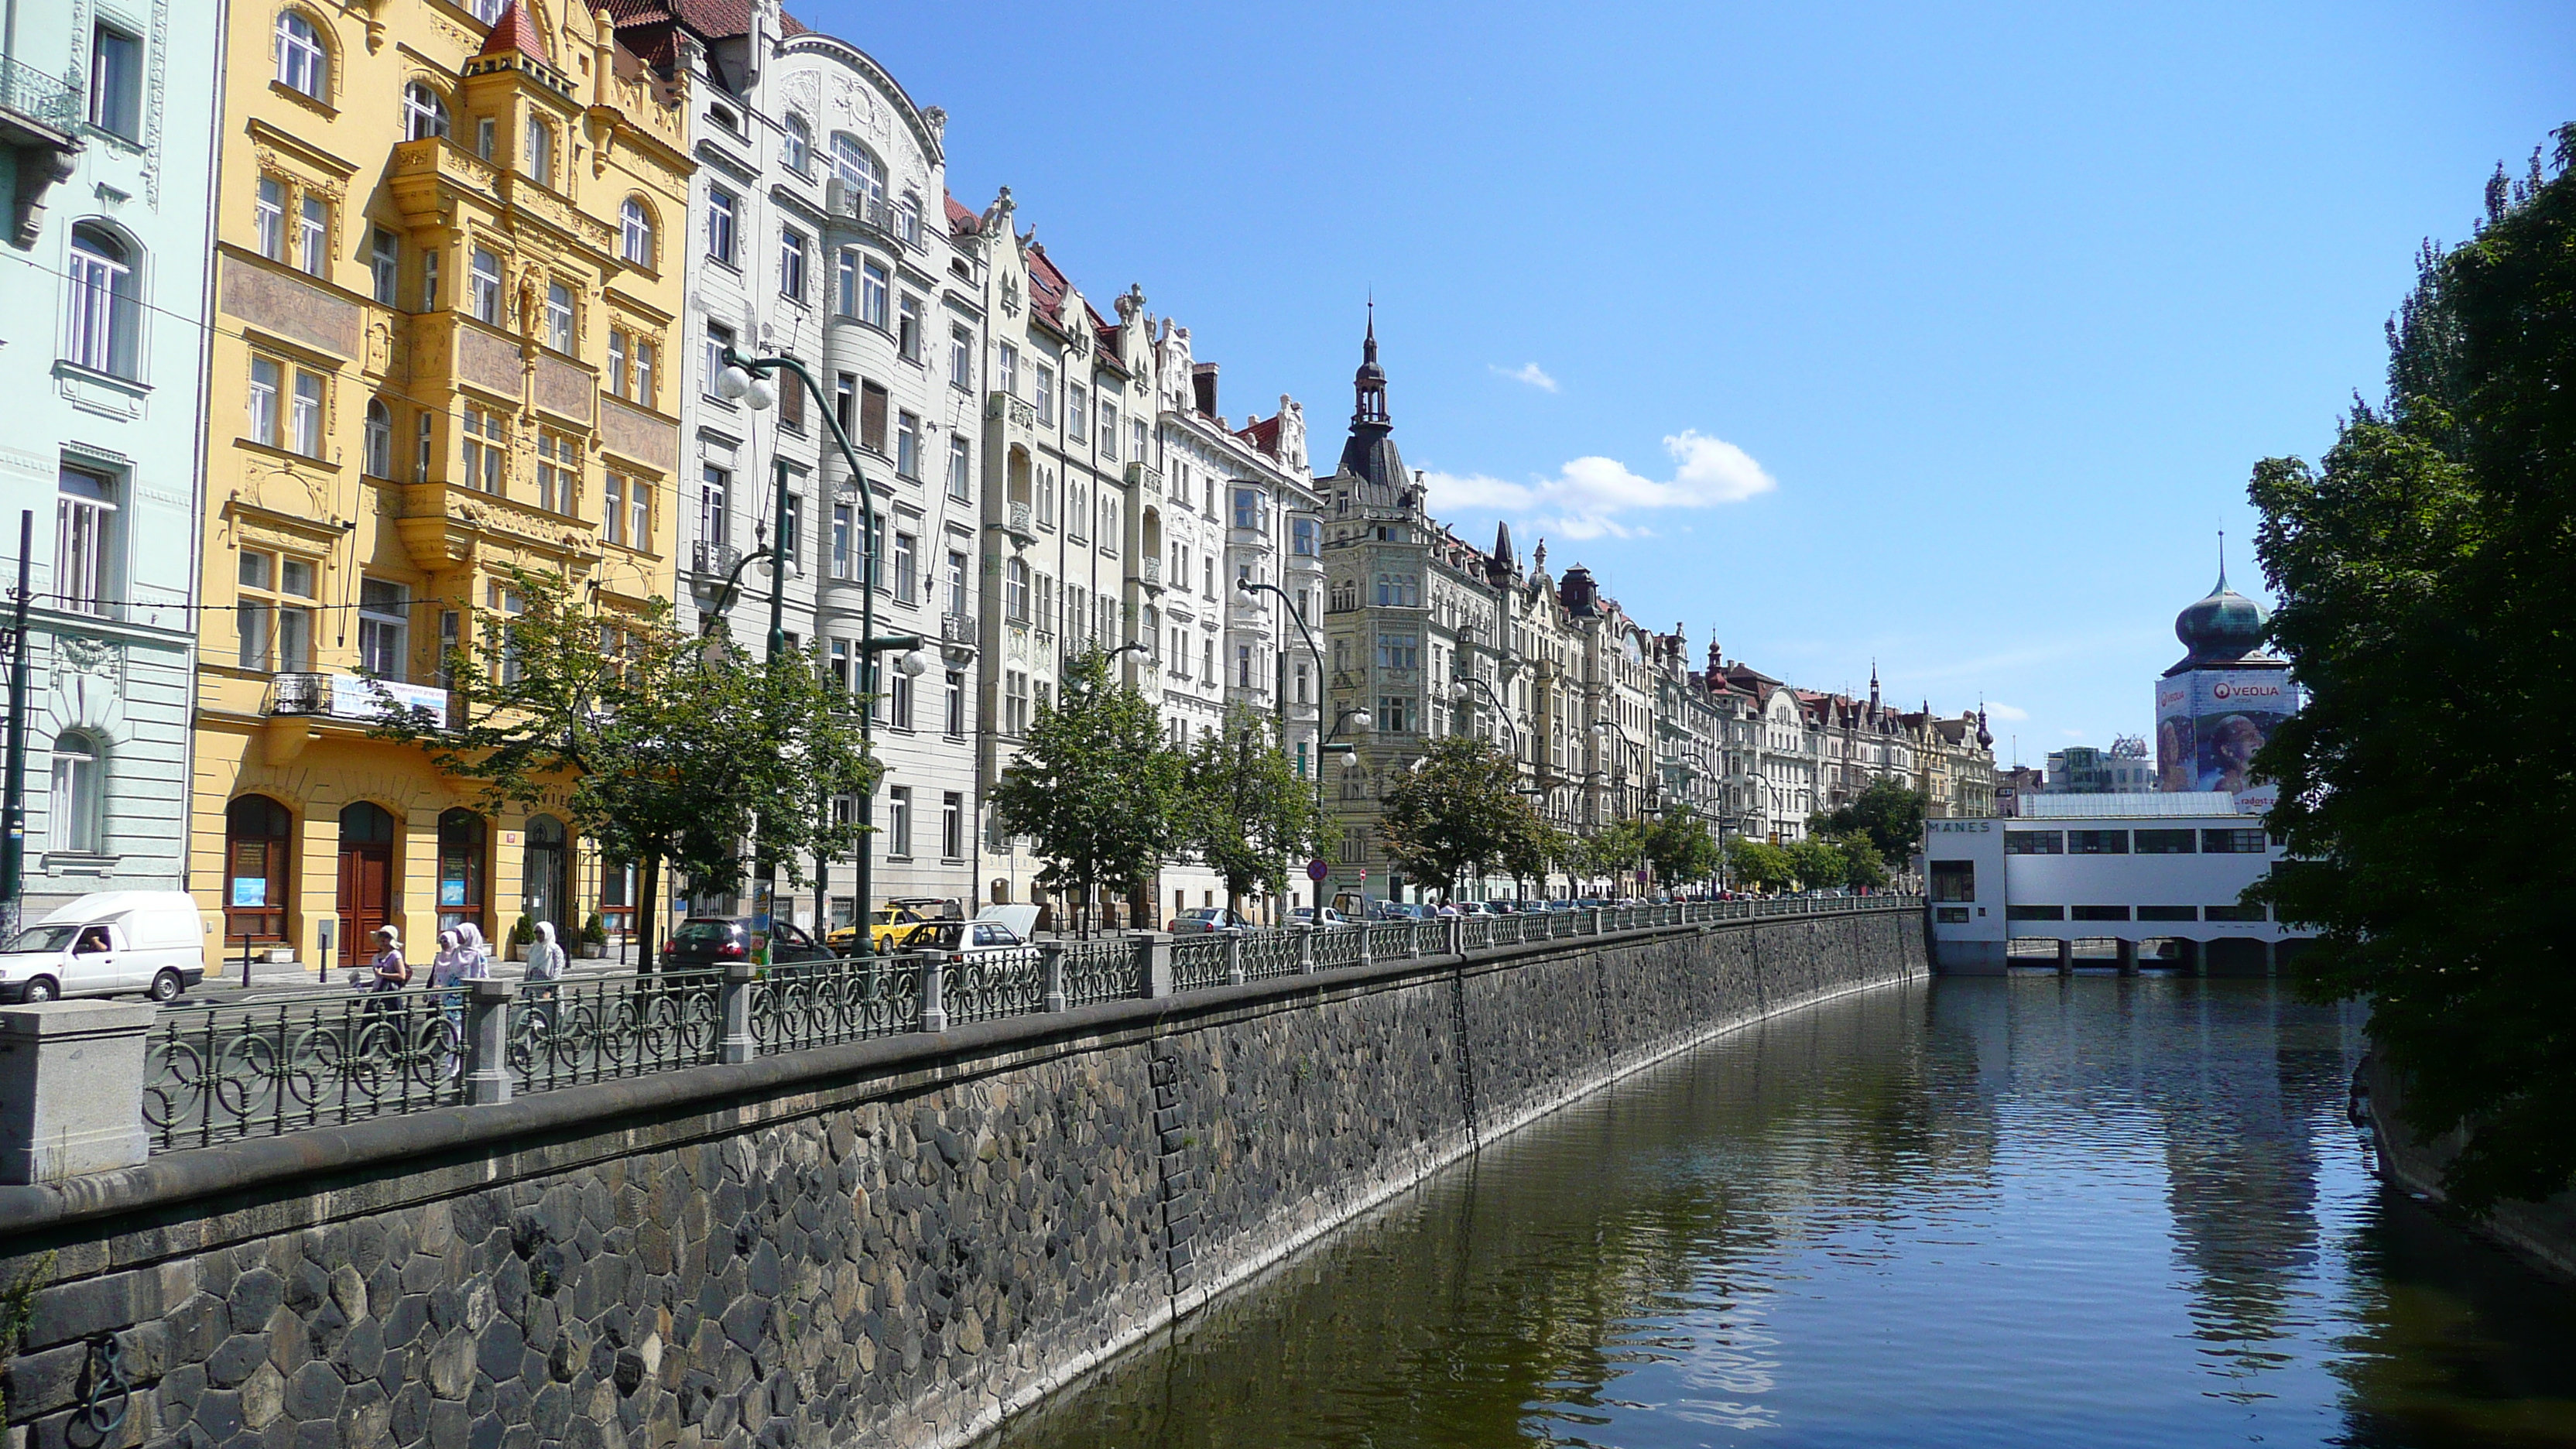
(934,1007)
(1306,950)
(71,1089)
(1051,974)
(1154,962)
(1233,959)
(1456,927)
(1594,917)
(487,1040)
(733,1007)
(1365,930)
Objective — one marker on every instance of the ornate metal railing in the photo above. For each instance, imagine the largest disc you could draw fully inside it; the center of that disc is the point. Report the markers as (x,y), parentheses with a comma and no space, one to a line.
(1476,933)
(221,1073)
(1336,948)
(1198,962)
(1430,938)
(1097,971)
(1270,953)
(797,1007)
(990,984)
(1390,939)
(590,1029)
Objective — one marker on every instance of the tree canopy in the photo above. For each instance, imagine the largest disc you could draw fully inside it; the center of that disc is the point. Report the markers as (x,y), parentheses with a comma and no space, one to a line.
(1758,864)
(1680,848)
(1095,787)
(1457,814)
(1245,813)
(1816,864)
(2427,576)
(1890,814)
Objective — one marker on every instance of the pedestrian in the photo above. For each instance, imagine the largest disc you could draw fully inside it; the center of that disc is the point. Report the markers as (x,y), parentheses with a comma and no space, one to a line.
(446,970)
(545,968)
(477,962)
(387,975)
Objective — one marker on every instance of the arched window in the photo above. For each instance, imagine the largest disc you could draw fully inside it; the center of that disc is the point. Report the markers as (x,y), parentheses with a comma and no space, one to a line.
(796,146)
(424,114)
(74,804)
(859,171)
(464,853)
(907,219)
(380,439)
(103,310)
(635,233)
(258,846)
(541,152)
(302,63)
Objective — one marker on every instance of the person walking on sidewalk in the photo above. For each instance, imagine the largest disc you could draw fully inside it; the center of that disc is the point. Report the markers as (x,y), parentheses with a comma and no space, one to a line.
(545,968)
(446,970)
(386,976)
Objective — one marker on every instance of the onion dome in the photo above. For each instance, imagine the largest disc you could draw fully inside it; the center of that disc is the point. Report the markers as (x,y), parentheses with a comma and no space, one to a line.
(2225,625)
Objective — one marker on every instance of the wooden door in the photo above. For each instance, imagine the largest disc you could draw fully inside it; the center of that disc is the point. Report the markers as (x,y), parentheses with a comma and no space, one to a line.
(366,880)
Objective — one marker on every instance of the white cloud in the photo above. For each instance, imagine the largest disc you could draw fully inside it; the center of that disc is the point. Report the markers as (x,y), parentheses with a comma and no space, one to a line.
(1528,372)
(2000,710)
(1587,496)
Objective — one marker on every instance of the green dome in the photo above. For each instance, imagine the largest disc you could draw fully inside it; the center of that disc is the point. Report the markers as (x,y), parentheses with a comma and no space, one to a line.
(2225,625)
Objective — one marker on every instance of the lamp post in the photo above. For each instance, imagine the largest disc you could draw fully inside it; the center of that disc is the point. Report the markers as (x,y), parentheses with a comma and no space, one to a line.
(1357,715)
(1603,724)
(746,379)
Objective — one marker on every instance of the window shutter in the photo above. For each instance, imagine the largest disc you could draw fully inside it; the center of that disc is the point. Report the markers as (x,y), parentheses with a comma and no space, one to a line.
(872,416)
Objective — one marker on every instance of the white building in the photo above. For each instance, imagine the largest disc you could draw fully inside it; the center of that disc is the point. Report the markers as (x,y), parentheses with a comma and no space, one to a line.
(2120,868)
(107,120)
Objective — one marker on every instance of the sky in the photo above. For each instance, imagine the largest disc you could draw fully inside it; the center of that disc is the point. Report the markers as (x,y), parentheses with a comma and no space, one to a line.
(1935,341)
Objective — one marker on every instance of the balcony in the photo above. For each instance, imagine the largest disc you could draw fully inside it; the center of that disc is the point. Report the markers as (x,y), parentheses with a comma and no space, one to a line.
(1018,525)
(1150,479)
(39,120)
(958,630)
(1003,406)
(713,558)
(355,698)
(1149,574)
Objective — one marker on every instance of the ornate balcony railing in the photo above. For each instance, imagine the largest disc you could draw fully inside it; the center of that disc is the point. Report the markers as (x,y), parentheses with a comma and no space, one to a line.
(357,698)
(48,100)
(713,558)
(957,629)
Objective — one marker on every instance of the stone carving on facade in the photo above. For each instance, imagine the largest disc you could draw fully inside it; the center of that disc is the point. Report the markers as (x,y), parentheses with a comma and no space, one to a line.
(1172,361)
(936,118)
(1292,434)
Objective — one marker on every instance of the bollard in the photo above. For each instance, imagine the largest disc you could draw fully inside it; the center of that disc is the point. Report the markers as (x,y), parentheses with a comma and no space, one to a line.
(934,1011)
(1051,973)
(487,1041)
(1233,959)
(71,1089)
(1306,950)
(2128,957)
(733,1005)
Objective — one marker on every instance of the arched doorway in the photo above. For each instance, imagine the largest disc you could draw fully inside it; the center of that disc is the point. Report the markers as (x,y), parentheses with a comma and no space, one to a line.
(259,841)
(464,860)
(543,877)
(366,879)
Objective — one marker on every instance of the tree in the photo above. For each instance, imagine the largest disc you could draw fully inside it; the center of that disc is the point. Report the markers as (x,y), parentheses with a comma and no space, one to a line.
(1680,848)
(1095,787)
(1246,814)
(1889,813)
(670,751)
(1456,814)
(1612,852)
(1816,864)
(2427,574)
(1758,864)
(1863,868)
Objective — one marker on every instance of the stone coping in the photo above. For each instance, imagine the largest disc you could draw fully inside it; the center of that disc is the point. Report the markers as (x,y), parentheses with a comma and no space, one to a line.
(451,1149)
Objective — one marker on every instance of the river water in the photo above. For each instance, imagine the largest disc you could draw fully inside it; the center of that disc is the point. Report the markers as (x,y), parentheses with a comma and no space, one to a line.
(2025,1211)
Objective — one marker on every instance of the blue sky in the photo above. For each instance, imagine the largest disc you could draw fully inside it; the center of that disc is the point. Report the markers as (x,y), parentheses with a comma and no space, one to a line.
(1942,340)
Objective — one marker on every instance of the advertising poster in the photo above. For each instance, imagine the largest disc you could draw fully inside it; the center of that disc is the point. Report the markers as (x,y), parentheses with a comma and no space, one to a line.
(2221,716)
(2177,755)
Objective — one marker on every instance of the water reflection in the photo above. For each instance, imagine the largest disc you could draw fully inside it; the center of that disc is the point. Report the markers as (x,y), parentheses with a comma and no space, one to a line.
(1981,1212)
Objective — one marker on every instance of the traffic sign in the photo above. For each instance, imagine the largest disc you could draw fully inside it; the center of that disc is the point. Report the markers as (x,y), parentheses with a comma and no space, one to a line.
(1317,871)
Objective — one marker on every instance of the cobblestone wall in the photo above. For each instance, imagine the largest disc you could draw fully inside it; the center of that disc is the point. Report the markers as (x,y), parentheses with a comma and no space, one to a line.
(893,1253)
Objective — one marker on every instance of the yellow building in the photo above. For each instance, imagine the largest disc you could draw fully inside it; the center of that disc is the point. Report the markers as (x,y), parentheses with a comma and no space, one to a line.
(448,265)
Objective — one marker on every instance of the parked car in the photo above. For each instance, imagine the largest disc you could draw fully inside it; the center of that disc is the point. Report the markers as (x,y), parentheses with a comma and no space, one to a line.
(1204,920)
(892,925)
(958,940)
(1332,920)
(1405,911)
(704,941)
(105,944)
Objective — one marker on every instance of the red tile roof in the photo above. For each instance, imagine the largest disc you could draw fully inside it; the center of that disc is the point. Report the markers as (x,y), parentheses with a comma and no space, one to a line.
(791,27)
(516,30)
(1264,435)
(1047,286)
(962,221)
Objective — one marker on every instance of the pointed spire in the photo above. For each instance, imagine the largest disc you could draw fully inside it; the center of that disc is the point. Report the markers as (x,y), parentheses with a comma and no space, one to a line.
(516,30)
(2222,563)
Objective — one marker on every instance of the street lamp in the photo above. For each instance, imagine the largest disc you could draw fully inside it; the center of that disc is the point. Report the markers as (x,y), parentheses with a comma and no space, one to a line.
(1605,725)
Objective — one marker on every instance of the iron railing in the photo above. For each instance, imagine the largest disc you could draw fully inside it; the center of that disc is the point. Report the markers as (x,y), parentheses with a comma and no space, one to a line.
(1271,953)
(222,1073)
(1198,962)
(49,100)
(825,1004)
(1337,948)
(1097,971)
(1388,940)
(988,985)
(565,1033)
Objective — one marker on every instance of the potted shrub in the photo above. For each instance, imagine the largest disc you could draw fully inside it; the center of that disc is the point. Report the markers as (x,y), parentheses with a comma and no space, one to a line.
(594,938)
(523,932)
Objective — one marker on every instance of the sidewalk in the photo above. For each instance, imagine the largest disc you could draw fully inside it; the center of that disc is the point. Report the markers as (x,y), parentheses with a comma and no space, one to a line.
(224,981)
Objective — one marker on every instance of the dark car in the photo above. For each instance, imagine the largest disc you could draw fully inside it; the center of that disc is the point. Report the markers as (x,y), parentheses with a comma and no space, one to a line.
(1209,920)
(705,941)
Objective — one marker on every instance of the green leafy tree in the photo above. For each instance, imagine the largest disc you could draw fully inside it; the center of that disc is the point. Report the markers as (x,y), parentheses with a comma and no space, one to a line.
(1246,814)
(1616,849)
(1816,864)
(2427,573)
(1862,865)
(1680,848)
(1456,815)
(1096,788)
(1532,851)
(1758,864)
(1890,814)
(672,751)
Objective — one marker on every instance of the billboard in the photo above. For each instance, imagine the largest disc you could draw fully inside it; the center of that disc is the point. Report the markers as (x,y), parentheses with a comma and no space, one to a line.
(2209,723)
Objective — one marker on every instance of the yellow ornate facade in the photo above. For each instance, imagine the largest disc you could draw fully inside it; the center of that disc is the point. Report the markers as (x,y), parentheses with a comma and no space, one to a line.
(448,272)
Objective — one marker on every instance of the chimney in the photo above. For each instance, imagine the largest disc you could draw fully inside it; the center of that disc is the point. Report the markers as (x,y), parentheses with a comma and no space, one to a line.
(1203,378)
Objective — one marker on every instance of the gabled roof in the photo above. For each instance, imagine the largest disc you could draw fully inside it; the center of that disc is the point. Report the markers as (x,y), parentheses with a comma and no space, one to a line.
(962,220)
(712,19)
(517,31)
(1263,434)
(1047,285)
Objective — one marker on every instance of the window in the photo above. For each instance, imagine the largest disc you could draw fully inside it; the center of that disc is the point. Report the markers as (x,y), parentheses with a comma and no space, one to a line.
(860,174)
(74,804)
(907,219)
(961,470)
(616,362)
(1243,666)
(1015,591)
(379,439)
(559,317)
(719,338)
(2034,842)
(840,540)
(957,582)
(1044,402)
(2035,913)
(634,234)
(384,628)
(872,417)
(907,567)
(1305,538)
(1015,702)
(1301,682)
(1006,369)
(313,237)
(720,205)
(487,447)
(2163,842)
(485,129)
(2167,913)
(302,64)
(2231,842)
(899,699)
(961,358)
(304,415)
(424,446)
(872,293)
(791,263)
(485,286)
(612,508)
(509,603)
(791,528)
(1355,843)
(429,280)
(274,612)
(558,470)
(952,824)
(1077,410)
(102,310)
(791,403)
(796,144)
(1398,651)
(907,328)
(1207,660)
(898,823)
(2097,842)
(1399,591)
(84,560)
(2099,913)
(1247,508)
(907,445)
(116,82)
(955,722)
(715,495)
(1136,435)
(541,152)
(424,114)
(2231,913)
(487,11)
(384,266)
(268,218)
(644,373)
(1396,715)
(1046,497)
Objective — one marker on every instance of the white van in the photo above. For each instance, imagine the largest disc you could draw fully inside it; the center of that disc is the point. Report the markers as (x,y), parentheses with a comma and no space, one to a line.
(103,944)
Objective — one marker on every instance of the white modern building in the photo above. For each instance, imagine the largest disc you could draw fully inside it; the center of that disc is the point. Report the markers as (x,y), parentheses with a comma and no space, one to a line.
(2162,872)
(107,131)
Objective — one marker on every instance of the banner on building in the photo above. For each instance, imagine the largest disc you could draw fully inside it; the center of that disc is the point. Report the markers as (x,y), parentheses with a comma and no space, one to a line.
(2209,723)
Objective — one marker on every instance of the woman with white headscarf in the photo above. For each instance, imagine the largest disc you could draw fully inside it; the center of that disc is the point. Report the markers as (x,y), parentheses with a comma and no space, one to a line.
(475,957)
(545,968)
(446,971)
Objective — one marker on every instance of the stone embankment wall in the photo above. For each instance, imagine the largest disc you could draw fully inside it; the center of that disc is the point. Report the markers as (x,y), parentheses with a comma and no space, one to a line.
(894,1242)
(2543,1232)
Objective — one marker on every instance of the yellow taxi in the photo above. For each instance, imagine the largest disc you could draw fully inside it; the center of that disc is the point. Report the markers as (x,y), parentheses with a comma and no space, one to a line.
(892,926)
